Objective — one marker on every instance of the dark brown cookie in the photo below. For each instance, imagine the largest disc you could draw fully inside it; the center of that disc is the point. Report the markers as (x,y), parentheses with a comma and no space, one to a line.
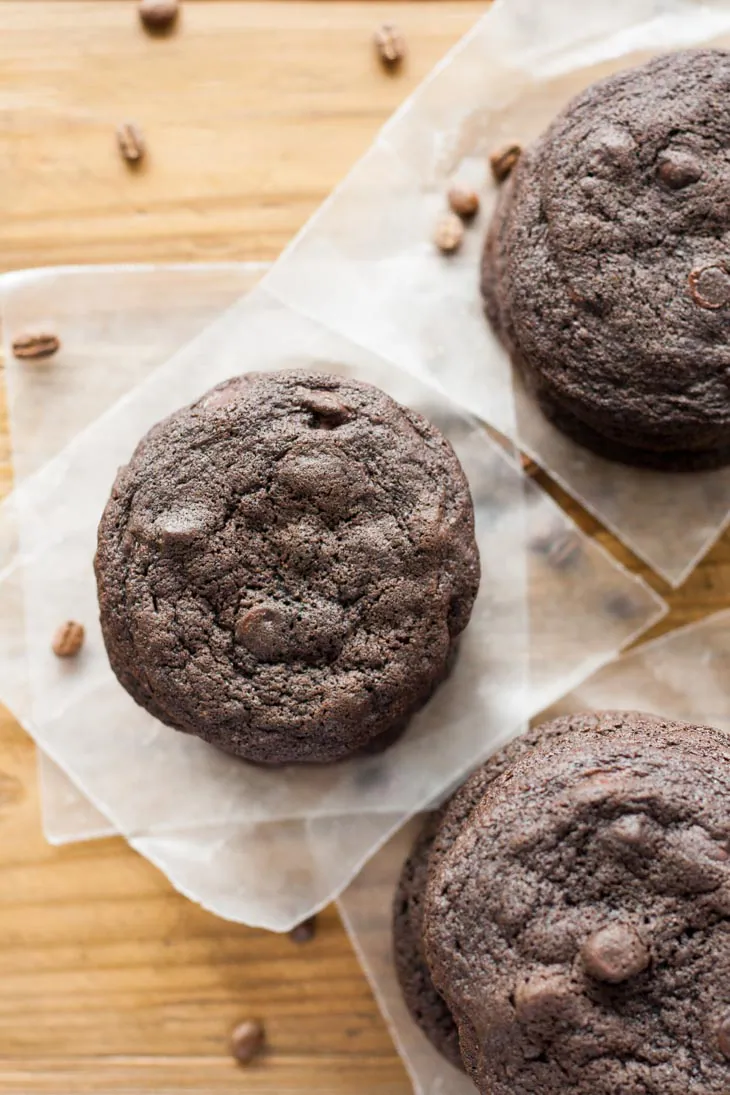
(425,1004)
(579,927)
(284,567)
(440,830)
(606,270)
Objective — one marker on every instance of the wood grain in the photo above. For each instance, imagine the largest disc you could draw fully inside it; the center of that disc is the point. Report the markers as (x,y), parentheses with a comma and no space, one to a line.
(252,112)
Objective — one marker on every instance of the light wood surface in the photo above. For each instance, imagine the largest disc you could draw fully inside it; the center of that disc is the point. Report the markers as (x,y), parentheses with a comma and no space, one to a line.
(252,112)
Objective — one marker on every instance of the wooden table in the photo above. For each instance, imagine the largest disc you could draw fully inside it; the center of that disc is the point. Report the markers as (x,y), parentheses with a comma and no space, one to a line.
(252,111)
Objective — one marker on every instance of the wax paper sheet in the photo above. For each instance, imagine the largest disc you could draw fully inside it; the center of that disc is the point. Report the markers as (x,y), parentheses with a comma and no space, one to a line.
(116,324)
(682,675)
(267,847)
(124,321)
(367,254)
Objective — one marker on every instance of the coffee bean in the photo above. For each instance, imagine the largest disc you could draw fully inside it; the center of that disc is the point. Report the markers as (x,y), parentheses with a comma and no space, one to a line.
(449,234)
(614,954)
(390,44)
(31,345)
(158,15)
(503,160)
(131,142)
(247,1040)
(305,931)
(465,203)
(68,640)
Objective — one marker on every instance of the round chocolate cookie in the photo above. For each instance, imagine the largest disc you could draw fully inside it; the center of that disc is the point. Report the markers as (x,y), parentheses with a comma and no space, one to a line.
(579,926)
(441,828)
(606,270)
(285,566)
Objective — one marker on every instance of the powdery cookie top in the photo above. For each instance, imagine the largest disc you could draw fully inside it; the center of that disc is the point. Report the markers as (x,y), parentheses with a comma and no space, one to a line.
(578,928)
(284,566)
(607,267)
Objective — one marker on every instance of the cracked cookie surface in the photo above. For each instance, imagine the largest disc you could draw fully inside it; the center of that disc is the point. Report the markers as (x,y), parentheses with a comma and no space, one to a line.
(284,566)
(441,828)
(579,926)
(606,270)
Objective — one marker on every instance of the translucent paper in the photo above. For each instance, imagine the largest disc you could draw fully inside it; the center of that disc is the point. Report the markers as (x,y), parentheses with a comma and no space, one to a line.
(683,675)
(365,265)
(116,324)
(264,847)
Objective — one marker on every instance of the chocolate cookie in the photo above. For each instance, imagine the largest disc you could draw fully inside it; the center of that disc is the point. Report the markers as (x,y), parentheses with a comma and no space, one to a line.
(285,566)
(606,270)
(425,1004)
(441,828)
(579,926)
